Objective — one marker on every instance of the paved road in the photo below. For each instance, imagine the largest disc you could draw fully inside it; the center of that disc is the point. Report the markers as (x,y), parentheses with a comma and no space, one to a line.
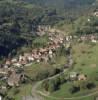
(35,91)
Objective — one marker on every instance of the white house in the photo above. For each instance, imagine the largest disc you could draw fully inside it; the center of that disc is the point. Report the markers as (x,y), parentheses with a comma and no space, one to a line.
(30,58)
(94,41)
(17,64)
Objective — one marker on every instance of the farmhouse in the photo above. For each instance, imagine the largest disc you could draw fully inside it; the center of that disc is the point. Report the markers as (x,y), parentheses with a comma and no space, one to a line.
(73,76)
(82,77)
(96,13)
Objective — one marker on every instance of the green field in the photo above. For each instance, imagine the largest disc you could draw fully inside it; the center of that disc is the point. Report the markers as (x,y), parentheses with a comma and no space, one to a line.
(24,90)
(31,71)
(39,67)
(85,56)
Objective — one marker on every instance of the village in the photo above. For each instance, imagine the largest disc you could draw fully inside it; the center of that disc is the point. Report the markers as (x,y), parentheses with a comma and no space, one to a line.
(9,69)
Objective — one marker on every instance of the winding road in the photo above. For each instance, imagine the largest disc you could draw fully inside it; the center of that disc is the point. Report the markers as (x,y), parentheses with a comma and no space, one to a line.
(35,92)
(39,94)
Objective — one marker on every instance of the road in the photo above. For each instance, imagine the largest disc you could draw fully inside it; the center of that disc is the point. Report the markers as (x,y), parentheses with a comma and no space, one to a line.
(42,94)
(35,91)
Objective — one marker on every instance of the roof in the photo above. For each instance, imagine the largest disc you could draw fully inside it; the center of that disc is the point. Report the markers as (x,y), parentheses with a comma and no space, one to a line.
(73,74)
(81,77)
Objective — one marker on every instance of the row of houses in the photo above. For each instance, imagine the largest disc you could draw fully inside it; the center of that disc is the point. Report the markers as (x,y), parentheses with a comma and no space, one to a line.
(38,55)
(43,54)
(92,38)
(7,69)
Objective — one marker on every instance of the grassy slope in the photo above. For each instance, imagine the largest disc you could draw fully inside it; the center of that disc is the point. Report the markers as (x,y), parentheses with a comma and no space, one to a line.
(24,90)
(37,68)
(84,64)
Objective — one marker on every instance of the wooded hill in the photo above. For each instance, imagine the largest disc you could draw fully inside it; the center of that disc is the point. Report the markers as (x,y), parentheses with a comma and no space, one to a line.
(17,18)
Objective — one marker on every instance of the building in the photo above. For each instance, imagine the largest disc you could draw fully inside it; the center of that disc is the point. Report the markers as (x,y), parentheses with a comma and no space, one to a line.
(73,76)
(82,77)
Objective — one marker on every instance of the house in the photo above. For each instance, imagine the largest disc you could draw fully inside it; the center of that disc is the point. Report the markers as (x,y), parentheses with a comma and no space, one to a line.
(45,58)
(94,41)
(51,38)
(36,56)
(96,13)
(20,57)
(22,63)
(50,52)
(30,58)
(43,50)
(38,60)
(82,77)
(42,30)
(14,60)
(17,64)
(8,63)
(61,40)
(6,66)
(67,38)
(26,54)
(4,88)
(73,76)
(83,38)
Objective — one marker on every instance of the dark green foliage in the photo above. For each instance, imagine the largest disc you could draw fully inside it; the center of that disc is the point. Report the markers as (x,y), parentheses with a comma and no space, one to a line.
(82,85)
(18,19)
(54,84)
(46,73)
(74,89)
(86,25)
(91,85)
(16,91)
(40,41)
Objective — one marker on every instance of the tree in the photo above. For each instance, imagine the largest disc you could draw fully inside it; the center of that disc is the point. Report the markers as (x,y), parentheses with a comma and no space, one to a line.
(62,79)
(52,86)
(16,91)
(83,84)
(74,89)
(45,85)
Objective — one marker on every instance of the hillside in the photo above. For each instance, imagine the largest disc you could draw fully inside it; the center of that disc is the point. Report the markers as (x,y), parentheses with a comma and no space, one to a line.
(69,9)
(48,49)
(17,18)
(61,3)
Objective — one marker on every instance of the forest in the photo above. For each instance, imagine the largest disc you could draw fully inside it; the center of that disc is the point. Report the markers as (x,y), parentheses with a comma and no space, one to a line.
(19,19)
